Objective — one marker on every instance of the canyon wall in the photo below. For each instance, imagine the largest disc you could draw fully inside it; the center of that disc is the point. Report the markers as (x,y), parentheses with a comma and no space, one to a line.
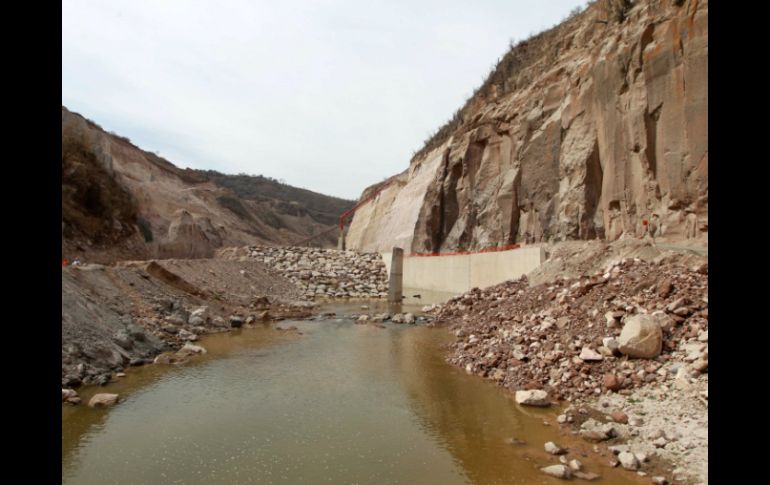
(597,128)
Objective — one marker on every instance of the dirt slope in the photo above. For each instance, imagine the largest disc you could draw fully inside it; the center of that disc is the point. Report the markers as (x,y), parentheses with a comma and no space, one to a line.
(121,202)
(116,316)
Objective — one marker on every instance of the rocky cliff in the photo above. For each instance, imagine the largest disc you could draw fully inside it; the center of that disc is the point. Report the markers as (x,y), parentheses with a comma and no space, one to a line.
(597,128)
(121,202)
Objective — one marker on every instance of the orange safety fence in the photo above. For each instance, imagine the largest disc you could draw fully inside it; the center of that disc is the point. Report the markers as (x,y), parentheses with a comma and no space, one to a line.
(460,253)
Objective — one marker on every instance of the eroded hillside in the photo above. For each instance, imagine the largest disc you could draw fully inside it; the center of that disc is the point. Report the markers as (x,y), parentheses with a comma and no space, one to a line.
(121,202)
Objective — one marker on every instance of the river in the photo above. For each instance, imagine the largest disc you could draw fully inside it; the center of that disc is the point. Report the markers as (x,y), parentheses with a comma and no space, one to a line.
(339,403)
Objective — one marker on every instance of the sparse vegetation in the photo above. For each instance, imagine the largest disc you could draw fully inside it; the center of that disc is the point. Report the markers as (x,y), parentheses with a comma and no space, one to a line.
(510,72)
(94,205)
(615,9)
(235,206)
(321,208)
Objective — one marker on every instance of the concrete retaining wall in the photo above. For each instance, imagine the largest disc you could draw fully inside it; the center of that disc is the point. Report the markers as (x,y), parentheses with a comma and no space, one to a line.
(460,273)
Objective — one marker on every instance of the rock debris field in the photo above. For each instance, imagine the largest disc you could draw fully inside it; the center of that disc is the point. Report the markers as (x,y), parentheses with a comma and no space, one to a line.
(627,347)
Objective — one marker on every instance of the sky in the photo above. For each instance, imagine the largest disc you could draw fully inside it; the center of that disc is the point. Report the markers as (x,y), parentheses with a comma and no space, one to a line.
(327,95)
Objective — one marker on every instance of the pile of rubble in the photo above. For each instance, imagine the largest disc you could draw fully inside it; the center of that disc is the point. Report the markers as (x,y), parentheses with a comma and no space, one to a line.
(327,273)
(637,323)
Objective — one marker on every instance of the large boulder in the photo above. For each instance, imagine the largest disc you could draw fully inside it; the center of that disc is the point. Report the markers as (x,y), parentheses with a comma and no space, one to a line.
(103,400)
(185,334)
(199,316)
(534,397)
(195,349)
(558,471)
(641,337)
(592,430)
(628,460)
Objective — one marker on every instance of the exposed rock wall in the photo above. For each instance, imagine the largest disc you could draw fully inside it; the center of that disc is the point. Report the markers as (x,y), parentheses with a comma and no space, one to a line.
(589,130)
(395,212)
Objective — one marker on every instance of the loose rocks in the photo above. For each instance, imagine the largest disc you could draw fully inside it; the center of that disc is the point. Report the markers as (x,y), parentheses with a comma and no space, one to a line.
(554,334)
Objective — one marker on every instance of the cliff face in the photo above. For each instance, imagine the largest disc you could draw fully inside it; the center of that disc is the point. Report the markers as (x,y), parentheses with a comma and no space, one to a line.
(121,202)
(584,131)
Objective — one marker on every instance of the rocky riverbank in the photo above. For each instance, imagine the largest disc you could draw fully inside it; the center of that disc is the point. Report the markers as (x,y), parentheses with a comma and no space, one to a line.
(138,312)
(322,273)
(605,342)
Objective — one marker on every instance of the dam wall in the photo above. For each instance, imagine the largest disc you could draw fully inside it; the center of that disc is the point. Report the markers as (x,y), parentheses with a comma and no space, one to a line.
(459,272)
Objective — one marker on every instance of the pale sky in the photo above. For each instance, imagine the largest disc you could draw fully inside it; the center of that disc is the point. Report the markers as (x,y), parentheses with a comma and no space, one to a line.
(328,95)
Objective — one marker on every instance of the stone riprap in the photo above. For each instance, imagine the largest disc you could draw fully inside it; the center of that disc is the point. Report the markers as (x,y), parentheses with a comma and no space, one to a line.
(327,273)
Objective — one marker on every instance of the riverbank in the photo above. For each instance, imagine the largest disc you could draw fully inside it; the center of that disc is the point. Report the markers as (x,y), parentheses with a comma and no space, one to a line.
(626,345)
(114,317)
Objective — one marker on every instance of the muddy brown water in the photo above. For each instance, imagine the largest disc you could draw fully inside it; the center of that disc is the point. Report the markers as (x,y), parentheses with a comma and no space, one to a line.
(341,403)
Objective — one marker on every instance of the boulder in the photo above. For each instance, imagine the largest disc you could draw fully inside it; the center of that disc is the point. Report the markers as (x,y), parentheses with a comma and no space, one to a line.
(619,417)
(554,449)
(199,316)
(532,397)
(69,395)
(185,334)
(641,337)
(236,321)
(628,461)
(123,339)
(701,365)
(589,355)
(558,471)
(196,349)
(611,382)
(136,332)
(592,430)
(103,400)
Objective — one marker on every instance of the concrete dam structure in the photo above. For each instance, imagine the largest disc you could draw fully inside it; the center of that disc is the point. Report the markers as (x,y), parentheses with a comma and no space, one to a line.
(458,273)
